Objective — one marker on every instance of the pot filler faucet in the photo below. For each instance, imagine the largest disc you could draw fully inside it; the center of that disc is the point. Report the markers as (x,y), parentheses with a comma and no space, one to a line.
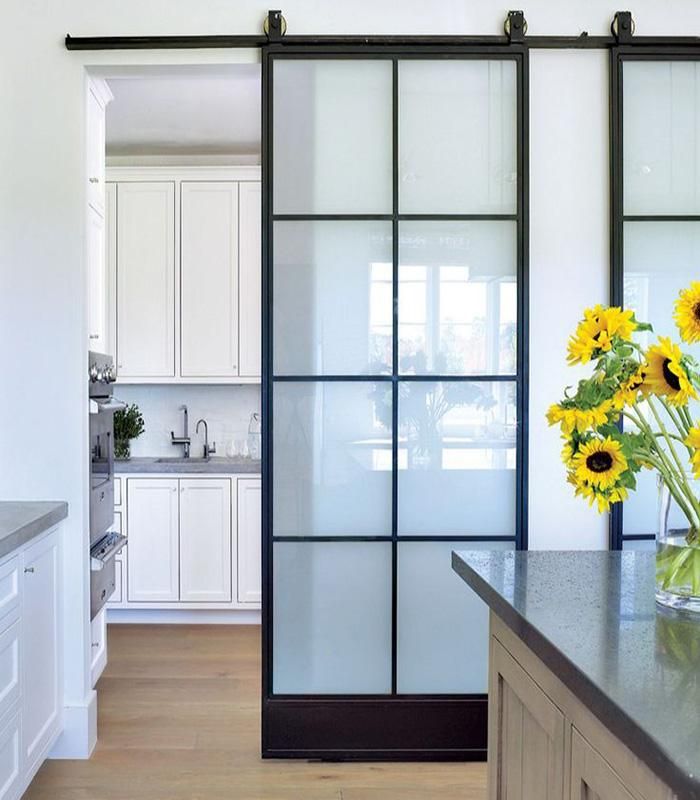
(184,440)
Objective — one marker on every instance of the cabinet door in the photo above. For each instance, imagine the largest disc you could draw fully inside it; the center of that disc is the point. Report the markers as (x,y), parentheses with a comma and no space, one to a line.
(526,734)
(10,759)
(41,668)
(153,561)
(209,279)
(592,778)
(205,540)
(146,280)
(249,540)
(95,145)
(250,200)
(98,645)
(97,283)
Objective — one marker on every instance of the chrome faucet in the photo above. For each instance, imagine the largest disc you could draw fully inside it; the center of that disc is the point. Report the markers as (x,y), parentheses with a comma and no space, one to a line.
(184,440)
(208,448)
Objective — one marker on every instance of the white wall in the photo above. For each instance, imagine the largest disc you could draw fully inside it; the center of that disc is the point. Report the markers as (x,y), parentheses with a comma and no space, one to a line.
(43,436)
(226,409)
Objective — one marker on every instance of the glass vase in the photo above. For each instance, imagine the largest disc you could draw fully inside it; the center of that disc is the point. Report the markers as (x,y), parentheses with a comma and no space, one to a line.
(678,548)
(122,449)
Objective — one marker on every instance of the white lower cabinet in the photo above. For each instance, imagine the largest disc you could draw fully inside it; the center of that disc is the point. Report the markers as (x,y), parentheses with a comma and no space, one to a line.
(194,542)
(249,540)
(205,540)
(153,564)
(98,645)
(11,758)
(41,656)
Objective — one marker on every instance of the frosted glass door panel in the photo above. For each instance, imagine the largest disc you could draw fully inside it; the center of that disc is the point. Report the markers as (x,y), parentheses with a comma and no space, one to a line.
(332,462)
(457,297)
(661,164)
(457,137)
(442,630)
(661,258)
(332,298)
(332,130)
(457,458)
(332,618)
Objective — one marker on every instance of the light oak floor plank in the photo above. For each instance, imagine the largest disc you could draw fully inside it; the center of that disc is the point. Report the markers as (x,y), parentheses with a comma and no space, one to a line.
(179,719)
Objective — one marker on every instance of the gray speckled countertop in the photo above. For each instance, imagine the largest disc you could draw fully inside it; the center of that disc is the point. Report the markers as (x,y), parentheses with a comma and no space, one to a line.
(216,465)
(592,619)
(21,521)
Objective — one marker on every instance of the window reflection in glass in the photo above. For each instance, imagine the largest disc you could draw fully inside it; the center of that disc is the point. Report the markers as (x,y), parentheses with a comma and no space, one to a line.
(457,297)
(457,458)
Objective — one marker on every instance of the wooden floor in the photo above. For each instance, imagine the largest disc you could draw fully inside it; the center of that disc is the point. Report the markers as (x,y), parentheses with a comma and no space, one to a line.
(179,719)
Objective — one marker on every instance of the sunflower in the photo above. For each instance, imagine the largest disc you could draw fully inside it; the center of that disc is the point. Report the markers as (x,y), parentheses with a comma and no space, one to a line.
(665,374)
(687,313)
(603,497)
(579,419)
(594,334)
(600,463)
(628,390)
(693,441)
(568,452)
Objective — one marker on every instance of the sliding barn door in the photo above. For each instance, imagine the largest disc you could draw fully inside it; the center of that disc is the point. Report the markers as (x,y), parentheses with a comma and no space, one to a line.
(393,390)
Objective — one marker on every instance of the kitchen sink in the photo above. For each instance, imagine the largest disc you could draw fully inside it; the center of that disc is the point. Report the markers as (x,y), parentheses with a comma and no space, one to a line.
(181,460)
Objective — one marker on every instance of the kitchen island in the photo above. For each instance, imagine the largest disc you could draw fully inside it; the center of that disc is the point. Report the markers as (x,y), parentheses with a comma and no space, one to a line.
(594,691)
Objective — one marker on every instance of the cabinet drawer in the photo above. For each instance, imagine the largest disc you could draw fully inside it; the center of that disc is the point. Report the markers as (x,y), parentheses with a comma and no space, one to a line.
(117,491)
(118,578)
(9,667)
(9,590)
(10,774)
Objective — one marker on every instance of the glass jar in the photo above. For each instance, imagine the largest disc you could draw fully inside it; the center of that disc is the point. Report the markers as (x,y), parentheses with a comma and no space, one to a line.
(678,546)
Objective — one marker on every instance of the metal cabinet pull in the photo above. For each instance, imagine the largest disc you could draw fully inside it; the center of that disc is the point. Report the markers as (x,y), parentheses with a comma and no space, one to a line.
(29,569)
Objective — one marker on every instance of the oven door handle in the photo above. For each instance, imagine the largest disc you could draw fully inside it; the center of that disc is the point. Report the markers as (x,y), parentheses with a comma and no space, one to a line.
(109,404)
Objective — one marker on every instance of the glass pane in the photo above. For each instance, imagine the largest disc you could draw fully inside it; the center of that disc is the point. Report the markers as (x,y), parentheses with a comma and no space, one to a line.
(332,459)
(661,258)
(332,136)
(333,301)
(442,624)
(457,297)
(457,136)
(332,618)
(661,107)
(643,545)
(640,511)
(457,458)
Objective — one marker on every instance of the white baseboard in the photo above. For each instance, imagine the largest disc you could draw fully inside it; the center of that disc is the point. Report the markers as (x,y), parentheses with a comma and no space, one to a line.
(167,616)
(79,735)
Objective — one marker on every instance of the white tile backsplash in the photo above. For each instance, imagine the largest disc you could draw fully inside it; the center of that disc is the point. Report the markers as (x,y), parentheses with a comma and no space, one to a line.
(226,409)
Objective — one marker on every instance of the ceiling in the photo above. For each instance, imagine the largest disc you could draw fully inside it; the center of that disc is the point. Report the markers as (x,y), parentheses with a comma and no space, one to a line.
(200,114)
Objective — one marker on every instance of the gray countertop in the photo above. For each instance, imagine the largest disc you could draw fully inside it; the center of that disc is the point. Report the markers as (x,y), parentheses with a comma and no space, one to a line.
(592,619)
(216,465)
(21,521)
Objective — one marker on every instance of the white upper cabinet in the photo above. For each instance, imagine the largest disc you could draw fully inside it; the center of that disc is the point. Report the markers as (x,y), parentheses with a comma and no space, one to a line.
(146,279)
(209,279)
(205,540)
(97,282)
(250,216)
(153,511)
(184,274)
(249,540)
(97,98)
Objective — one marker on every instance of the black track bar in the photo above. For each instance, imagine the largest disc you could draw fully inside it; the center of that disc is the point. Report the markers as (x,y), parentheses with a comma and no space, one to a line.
(583,41)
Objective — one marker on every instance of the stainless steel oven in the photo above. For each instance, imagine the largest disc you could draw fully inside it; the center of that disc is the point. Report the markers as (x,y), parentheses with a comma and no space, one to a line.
(105,544)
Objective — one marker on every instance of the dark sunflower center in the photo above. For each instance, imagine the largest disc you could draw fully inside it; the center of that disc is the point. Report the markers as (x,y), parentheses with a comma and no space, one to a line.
(671,378)
(599,462)
(696,311)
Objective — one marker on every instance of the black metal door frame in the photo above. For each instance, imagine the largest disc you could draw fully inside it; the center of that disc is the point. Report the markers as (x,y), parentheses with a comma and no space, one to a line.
(657,50)
(387,726)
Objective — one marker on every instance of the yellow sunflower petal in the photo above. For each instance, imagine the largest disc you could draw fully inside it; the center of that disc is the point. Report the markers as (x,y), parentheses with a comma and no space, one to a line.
(687,313)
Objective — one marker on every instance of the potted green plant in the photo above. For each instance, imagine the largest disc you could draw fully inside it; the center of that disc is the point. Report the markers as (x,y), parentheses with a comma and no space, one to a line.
(128,425)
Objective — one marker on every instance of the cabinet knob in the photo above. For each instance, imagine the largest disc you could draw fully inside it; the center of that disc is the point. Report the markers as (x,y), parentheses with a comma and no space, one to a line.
(29,569)
(94,335)
(94,180)
(95,644)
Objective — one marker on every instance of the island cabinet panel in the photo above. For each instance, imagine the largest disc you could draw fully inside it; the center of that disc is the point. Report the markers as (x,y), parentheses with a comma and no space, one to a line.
(545,743)
(530,735)
(592,778)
